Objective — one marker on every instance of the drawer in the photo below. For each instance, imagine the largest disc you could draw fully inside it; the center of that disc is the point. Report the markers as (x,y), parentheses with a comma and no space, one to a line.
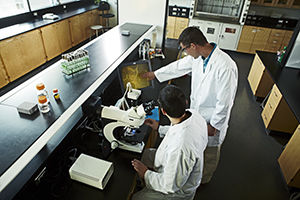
(266,117)
(275,95)
(288,34)
(182,22)
(275,40)
(272,47)
(277,33)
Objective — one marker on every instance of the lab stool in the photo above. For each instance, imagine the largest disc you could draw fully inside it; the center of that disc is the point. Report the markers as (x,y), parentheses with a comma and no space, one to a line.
(96,28)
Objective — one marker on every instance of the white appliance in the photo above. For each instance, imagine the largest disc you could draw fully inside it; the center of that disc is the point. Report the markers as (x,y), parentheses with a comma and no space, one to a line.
(223,34)
(91,171)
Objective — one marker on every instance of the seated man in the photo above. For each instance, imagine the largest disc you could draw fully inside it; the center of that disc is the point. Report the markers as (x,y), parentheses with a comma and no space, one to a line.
(174,170)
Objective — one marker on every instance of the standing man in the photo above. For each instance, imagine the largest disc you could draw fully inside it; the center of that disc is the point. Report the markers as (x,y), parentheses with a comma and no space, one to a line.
(176,166)
(213,88)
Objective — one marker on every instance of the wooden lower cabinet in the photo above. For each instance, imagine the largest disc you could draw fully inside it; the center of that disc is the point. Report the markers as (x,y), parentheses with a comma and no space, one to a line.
(3,76)
(175,26)
(22,53)
(80,26)
(289,160)
(56,38)
(277,115)
(259,79)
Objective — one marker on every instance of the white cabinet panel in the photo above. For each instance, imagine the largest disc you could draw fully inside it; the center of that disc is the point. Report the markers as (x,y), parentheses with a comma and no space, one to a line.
(229,36)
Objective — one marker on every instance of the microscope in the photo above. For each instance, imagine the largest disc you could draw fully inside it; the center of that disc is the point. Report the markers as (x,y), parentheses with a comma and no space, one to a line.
(122,131)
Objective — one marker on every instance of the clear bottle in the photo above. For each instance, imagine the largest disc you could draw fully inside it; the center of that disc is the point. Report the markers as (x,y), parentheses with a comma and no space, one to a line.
(43,104)
(56,94)
(41,91)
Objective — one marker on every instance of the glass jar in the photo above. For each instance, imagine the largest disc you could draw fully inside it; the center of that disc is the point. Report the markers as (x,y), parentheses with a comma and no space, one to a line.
(41,91)
(43,104)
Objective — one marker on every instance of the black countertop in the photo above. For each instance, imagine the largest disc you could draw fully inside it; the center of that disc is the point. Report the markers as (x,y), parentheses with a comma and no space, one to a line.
(17,29)
(287,79)
(19,132)
(269,22)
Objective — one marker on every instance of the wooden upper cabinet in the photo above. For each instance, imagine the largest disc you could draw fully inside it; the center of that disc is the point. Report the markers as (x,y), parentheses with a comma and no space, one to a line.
(294,4)
(22,53)
(80,27)
(3,76)
(56,38)
(278,3)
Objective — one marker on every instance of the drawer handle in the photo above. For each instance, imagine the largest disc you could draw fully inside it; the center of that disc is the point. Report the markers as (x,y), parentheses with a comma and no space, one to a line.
(265,116)
(270,105)
(275,94)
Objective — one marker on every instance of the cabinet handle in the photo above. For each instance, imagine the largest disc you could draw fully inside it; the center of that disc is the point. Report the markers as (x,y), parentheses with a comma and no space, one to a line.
(265,116)
(270,105)
(275,94)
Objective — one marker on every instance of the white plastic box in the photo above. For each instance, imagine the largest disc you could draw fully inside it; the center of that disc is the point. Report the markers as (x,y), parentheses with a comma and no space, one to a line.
(91,171)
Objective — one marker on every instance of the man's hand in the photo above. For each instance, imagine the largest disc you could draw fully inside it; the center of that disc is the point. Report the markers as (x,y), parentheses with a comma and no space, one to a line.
(149,75)
(152,123)
(211,130)
(139,167)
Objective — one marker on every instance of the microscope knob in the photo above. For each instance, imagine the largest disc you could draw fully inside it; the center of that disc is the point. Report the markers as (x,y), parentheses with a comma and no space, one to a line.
(114,144)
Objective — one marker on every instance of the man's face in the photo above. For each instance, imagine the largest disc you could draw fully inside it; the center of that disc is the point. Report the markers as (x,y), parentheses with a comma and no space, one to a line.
(190,49)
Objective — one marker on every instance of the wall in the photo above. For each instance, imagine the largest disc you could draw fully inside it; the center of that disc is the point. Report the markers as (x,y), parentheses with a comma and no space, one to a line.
(183,3)
(144,12)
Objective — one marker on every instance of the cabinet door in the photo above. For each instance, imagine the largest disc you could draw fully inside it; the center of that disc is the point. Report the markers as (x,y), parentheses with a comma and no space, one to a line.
(259,79)
(80,27)
(75,27)
(229,36)
(211,32)
(171,27)
(64,35)
(3,76)
(22,53)
(260,39)
(246,39)
(289,160)
(180,25)
(294,4)
(281,3)
(50,40)
(86,23)
(268,2)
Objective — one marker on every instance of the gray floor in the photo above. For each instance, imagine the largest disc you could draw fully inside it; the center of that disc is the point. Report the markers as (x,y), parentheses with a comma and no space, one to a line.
(248,167)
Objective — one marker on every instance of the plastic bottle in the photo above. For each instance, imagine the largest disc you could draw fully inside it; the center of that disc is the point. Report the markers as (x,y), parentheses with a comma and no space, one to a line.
(43,104)
(41,91)
(282,54)
(56,94)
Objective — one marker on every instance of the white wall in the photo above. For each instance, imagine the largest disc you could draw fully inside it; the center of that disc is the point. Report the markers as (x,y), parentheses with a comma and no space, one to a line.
(144,12)
(182,3)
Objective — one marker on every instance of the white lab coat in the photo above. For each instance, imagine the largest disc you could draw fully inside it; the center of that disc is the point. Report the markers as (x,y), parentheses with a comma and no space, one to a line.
(212,91)
(179,158)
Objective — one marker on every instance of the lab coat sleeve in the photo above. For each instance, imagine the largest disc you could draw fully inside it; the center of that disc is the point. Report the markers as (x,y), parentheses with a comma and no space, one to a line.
(227,84)
(174,175)
(175,69)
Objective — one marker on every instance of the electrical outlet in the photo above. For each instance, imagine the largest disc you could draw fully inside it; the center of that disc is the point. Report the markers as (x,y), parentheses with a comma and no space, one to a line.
(35,14)
(39,177)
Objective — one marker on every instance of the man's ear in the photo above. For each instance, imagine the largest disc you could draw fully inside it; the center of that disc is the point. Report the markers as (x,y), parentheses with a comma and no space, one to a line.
(186,102)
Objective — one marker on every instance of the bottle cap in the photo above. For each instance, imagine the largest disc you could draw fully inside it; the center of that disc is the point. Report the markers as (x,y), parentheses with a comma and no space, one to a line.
(42,99)
(55,90)
(40,86)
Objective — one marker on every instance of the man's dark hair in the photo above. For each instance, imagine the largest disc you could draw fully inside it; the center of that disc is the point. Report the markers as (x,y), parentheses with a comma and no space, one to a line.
(172,100)
(192,35)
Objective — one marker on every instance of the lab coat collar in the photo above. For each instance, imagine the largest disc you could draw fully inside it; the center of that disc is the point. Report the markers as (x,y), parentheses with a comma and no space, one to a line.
(211,61)
(181,125)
